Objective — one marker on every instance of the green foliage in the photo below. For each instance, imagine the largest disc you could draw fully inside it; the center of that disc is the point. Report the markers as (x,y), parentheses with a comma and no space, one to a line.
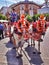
(35,17)
(29,18)
(0,16)
(47,16)
(3,17)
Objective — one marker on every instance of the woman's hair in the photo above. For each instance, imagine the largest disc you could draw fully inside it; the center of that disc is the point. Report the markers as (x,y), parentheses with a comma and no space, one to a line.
(13,9)
(19,33)
(27,24)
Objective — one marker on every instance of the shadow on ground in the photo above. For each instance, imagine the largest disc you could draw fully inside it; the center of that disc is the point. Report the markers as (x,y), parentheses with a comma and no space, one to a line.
(11,56)
(12,60)
(35,58)
(9,45)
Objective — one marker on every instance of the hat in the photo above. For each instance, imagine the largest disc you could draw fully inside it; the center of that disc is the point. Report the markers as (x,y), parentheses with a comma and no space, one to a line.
(42,16)
(22,16)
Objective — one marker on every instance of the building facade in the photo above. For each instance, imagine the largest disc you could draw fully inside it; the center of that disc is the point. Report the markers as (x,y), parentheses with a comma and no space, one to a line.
(45,8)
(3,10)
(26,7)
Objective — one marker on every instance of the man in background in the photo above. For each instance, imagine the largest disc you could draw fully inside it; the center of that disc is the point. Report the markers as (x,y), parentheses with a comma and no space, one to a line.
(13,16)
(1,30)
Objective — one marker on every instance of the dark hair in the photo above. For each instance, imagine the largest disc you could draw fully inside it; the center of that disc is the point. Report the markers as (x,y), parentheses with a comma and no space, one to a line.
(19,33)
(27,24)
(13,9)
(15,28)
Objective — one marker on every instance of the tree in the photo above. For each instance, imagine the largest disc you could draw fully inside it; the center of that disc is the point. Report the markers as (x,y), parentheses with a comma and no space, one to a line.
(29,18)
(3,17)
(47,16)
(0,16)
(35,17)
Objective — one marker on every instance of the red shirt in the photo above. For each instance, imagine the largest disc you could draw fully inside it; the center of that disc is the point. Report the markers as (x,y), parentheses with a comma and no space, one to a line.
(34,24)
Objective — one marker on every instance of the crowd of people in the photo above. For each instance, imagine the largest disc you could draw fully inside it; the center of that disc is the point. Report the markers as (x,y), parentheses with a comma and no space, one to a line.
(22,30)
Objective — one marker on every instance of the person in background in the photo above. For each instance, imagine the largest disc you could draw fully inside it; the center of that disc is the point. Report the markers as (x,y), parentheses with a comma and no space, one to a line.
(13,16)
(1,30)
(18,42)
(11,31)
(18,17)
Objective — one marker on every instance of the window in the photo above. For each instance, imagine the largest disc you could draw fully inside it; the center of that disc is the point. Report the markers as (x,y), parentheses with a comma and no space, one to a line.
(21,7)
(26,12)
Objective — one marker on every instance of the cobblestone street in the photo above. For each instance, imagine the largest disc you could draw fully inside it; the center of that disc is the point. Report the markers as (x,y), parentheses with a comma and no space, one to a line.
(8,55)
